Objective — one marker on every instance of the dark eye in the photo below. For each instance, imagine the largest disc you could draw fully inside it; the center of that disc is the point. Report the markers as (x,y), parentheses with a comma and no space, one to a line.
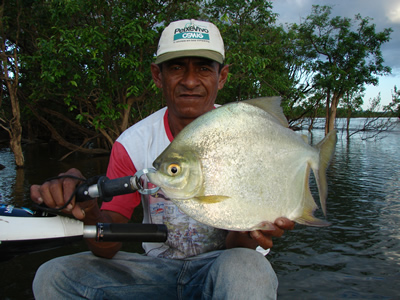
(174,169)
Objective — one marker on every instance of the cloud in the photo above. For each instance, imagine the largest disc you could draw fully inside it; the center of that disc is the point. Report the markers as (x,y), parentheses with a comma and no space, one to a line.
(384,13)
(393,13)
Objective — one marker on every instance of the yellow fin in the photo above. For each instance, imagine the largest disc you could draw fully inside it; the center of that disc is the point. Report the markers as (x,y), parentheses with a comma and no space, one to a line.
(309,206)
(307,217)
(211,199)
(310,220)
(271,105)
(326,149)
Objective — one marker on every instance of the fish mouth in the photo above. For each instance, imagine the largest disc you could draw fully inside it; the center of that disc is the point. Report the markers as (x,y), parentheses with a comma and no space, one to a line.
(153,178)
(156,165)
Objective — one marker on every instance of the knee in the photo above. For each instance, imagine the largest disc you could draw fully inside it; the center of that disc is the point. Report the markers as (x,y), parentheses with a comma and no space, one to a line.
(46,276)
(246,263)
(243,258)
(245,271)
(50,276)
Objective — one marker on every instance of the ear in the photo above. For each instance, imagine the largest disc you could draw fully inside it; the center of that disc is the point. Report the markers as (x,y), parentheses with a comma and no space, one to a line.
(156,74)
(223,76)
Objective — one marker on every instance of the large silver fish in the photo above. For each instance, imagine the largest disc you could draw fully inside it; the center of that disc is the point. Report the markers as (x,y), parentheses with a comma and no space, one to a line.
(239,167)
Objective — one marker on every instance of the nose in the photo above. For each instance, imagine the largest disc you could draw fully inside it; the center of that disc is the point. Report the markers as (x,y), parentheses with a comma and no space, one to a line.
(190,78)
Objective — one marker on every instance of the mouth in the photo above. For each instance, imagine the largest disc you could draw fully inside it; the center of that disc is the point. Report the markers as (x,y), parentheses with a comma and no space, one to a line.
(190,96)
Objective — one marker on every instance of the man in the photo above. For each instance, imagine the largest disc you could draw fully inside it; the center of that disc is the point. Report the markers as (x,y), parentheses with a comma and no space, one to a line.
(214,264)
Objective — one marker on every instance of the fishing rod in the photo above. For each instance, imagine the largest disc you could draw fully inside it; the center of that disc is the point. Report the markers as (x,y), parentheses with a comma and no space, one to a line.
(23,230)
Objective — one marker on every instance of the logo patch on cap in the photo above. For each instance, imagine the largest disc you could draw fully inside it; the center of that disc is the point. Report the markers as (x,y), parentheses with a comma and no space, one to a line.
(191,32)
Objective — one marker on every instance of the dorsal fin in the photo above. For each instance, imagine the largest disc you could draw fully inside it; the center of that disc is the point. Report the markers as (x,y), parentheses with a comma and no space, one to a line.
(271,105)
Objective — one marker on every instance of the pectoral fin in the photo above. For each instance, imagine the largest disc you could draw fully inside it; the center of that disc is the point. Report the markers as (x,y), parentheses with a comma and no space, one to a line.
(211,199)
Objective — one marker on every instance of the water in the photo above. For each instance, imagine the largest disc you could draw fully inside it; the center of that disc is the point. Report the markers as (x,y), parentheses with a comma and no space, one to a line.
(357,257)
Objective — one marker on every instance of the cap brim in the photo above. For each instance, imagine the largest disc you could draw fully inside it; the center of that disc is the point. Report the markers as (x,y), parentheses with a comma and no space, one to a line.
(213,55)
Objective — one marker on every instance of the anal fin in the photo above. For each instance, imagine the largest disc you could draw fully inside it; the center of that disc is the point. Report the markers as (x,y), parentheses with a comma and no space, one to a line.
(310,220)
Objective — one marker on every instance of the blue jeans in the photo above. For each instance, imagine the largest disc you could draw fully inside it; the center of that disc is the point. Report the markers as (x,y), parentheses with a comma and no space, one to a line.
(227,274)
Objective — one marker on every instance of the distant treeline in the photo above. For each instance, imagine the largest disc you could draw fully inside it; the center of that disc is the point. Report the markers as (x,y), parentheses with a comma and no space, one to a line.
(343,113)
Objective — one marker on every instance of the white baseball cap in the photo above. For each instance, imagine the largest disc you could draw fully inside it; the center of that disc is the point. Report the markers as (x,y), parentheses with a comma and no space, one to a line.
(190,38)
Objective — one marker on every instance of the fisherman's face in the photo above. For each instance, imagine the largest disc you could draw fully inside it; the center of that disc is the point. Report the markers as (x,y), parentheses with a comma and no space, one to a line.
(190,85)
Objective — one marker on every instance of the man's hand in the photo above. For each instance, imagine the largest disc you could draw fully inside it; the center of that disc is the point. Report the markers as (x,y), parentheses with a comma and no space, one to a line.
(263,238)
(56,193)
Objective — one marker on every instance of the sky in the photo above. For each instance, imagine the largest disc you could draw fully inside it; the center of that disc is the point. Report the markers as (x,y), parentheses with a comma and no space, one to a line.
(384,14)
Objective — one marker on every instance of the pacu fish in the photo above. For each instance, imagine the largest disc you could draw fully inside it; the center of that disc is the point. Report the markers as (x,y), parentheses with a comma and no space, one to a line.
(239,167)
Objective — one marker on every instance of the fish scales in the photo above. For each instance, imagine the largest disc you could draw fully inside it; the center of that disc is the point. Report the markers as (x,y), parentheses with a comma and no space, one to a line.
(240,168)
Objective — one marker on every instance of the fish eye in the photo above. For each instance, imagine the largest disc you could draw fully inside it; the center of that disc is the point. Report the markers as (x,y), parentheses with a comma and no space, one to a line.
(174,169)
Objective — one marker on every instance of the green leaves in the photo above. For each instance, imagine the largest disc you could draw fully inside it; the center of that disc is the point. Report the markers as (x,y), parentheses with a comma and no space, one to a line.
(90,61)
(253,49)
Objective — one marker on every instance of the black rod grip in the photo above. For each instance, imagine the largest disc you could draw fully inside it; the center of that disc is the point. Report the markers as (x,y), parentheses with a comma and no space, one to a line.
(105,188)
(117,186)
(132,232)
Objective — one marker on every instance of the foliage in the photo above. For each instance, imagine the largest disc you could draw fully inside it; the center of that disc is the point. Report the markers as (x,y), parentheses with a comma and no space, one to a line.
(254,49)
(94,61)
(83,65)
(394,106)
(89,67)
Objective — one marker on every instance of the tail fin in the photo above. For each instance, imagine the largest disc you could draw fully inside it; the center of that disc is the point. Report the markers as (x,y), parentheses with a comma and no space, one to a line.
(326,149)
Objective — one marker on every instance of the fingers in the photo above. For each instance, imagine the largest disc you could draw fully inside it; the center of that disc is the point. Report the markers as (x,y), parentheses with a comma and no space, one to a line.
(35,194)
(53,191)
(68,186)
(281,224)
(48,193)
(78,212)
(284,223)
(57,192)
(264,237)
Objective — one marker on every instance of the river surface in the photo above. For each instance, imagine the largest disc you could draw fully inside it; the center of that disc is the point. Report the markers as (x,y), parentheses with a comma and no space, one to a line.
(357,257)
